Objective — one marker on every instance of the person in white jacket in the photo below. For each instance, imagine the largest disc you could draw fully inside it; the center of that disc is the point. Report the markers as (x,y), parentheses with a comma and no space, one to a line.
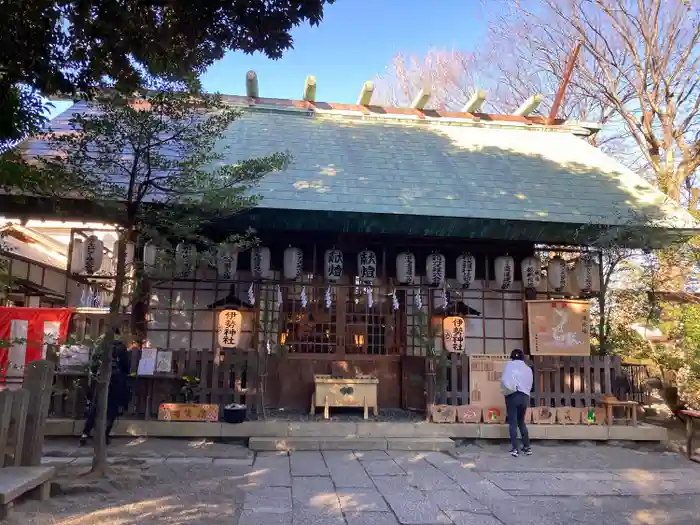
(516,385)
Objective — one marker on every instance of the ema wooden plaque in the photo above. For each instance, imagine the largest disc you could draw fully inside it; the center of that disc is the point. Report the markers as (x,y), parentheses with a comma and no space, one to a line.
(559,327)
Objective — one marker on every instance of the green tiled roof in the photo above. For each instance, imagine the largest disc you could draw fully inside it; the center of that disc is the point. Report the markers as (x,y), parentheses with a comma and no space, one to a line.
(436,177)
(453,171)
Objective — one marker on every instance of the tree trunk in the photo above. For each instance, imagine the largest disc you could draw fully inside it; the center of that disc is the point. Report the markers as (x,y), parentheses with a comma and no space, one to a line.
(99,460)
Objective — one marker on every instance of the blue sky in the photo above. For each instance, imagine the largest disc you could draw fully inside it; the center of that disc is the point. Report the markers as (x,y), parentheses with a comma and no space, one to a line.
(354,43)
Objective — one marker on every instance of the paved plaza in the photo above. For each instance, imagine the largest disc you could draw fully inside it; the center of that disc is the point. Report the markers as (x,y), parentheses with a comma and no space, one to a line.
(196,483)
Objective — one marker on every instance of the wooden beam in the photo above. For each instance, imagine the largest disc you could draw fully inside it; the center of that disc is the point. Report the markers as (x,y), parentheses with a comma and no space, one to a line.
(366,94)
(565,81)
(528,106)
(474,104)
(251,84)
(421,99)
(310,89)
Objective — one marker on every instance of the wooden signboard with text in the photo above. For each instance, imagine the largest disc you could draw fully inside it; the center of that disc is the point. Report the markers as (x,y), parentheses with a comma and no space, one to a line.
(559,327)
(485,373)
(188,412)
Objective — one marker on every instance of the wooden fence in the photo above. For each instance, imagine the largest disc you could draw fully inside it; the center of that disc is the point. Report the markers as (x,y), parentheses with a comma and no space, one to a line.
(23,413)
(558,381)
(224,377)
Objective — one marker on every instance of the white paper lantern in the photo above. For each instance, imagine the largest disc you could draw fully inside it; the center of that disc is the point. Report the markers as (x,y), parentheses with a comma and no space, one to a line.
(367,266)
(185,260)
(587,274)
(454,334)
(333,264)
(466,270)
(435,269)
(129,254)
(229,328)
(109,263)
(293,264)
(557,274)
(530,268)
(260,262)
(504,269)
(78,256)
(149,256)
(226,262)
(93,254)
(406,268)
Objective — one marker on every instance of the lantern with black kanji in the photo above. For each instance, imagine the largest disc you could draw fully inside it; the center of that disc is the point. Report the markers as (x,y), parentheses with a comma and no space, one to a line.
(333,262)
(93,253)
(229,328)
(435,269)
(406,268)
(454,334)
(557,273)
(185,260)
(587,274)
(466,270)
(293,264)
(504,272)
(367,266)
(530,269)
(226,262)
(260,262)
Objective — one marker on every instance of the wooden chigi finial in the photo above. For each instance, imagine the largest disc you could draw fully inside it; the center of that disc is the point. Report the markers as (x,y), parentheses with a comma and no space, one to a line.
(530,105)
(422,99)
(475,102)
(366,93)
(251,84)
(310,89)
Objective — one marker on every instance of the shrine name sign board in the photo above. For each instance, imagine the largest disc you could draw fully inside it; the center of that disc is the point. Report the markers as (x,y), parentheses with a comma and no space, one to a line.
(559,327)
(188,412)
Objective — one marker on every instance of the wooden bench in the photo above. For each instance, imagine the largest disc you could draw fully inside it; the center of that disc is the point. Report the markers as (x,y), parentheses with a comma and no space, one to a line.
(690,417)
(17,481)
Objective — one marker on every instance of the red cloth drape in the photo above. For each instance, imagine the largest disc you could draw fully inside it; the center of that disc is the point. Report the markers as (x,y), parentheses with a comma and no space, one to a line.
(35,317)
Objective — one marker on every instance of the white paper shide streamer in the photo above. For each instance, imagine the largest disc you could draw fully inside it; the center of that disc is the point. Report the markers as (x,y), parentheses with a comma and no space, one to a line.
(329,297)
(370,297)
(303,298)
(418,300)
(394,300)
(279,297)
(251,295)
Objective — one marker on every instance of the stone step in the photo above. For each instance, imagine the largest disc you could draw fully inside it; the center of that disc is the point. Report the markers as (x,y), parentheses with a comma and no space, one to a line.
(433,444)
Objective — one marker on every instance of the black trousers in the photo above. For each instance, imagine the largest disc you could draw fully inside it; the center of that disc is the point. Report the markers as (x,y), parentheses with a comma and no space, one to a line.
(112,413)
(516,405)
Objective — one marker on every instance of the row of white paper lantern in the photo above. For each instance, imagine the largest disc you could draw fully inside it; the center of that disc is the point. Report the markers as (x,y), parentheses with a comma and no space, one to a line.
(225,259)
(88,256)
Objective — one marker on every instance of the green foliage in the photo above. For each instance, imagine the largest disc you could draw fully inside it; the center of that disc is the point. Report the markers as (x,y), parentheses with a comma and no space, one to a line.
(191,388)
(156,166)
(74,47)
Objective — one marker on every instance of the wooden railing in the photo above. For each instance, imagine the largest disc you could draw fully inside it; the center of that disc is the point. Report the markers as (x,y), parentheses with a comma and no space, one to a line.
(558,381)
(224,377)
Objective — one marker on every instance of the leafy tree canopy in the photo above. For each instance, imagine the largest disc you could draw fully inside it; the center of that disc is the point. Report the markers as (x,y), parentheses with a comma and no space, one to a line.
(75,46)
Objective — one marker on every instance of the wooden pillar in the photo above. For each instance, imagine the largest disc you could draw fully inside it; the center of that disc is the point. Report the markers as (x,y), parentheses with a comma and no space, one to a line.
(38,382)
(18,422)
(5,417)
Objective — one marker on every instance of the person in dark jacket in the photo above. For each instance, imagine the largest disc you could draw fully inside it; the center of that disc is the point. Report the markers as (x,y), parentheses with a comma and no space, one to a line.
(118,391)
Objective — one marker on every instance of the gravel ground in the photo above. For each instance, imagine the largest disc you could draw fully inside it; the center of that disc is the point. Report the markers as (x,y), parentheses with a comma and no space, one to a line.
(140,494)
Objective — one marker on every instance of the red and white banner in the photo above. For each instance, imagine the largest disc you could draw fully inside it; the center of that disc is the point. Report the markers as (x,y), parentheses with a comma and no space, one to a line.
(28,331)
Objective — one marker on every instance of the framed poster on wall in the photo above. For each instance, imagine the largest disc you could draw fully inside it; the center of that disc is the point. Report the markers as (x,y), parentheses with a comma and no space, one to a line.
(559,327)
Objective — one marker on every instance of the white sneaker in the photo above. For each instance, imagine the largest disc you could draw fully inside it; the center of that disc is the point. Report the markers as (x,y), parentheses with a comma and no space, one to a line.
(514,452)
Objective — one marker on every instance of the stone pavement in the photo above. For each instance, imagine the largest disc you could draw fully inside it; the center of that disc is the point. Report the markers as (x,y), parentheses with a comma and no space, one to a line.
(201,483)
